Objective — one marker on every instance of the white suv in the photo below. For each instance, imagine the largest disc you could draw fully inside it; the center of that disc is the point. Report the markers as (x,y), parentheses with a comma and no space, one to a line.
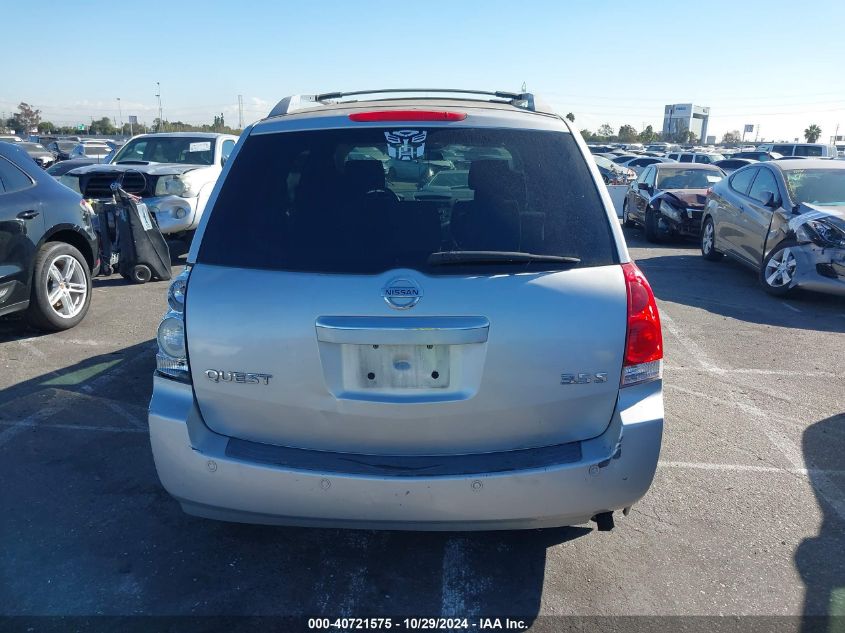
(348,354)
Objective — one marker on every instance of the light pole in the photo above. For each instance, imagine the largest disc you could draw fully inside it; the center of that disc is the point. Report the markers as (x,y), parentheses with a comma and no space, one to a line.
(158,94)
(120,114)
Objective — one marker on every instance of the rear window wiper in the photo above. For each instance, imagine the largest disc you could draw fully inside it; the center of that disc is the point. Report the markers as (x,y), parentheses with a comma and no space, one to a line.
(446,258)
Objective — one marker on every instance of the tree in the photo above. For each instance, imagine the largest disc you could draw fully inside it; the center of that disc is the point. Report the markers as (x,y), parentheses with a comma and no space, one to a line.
(730,138)
(691,137)
(45,127)
(27,118)
(647,135)
(571,117)
(605,130)
(812,133)
(627,134)
(588,136)
(102,126)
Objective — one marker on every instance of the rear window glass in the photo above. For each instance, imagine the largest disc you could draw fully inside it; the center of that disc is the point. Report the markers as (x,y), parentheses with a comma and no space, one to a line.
(367,200)
(808,150)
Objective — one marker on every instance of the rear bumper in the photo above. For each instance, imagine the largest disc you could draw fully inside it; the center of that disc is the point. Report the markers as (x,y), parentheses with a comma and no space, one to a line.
(613,471)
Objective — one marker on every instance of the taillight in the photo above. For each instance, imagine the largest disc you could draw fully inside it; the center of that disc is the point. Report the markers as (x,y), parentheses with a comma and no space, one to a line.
(172,356)
(407,115)
(644,340)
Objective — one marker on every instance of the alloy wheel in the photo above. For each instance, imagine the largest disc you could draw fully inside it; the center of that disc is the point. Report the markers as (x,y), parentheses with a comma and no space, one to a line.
(707,239)
(780,269)
(67,286)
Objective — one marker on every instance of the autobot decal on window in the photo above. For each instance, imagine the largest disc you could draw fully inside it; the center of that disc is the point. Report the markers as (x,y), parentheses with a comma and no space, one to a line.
(405,144)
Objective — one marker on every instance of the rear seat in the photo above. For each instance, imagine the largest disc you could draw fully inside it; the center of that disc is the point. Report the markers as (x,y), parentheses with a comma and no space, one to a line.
(492,220)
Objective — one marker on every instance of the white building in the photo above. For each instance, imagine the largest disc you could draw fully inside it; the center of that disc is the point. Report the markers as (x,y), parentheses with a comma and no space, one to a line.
(686,116)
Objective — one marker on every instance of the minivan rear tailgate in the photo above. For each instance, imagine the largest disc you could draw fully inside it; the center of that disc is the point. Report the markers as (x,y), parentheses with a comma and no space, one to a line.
(479,364)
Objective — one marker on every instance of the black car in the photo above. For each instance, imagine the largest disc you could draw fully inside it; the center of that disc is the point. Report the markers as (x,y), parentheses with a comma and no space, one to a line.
(63,167)
(668,199)
(62,148)
(760,155)
(48,246)
(730,165)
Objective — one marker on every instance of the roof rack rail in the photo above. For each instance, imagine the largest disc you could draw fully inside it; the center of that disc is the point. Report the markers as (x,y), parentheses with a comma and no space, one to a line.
(287,105)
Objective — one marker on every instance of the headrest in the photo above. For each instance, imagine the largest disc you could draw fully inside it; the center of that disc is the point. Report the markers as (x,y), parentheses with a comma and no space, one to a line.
(487,172)
(494,177)
(364,175)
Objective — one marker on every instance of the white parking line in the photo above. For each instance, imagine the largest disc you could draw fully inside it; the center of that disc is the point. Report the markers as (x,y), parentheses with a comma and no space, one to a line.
(691,346)
(25,343)
(750,467)
(823,485)
(793,308)
(16,427)
(762,372)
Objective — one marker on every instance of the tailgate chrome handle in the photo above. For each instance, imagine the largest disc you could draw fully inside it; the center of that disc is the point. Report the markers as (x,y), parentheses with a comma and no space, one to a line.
(402,330)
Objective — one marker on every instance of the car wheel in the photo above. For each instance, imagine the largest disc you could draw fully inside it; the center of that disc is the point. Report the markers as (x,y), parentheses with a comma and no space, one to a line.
(626,221)
(141,274)
(651,231)
(779,269)
(61,288)
(708,242)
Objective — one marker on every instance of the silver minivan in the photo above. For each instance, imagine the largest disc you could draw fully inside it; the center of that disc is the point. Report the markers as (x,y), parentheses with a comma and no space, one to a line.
(806,150)
(340,352)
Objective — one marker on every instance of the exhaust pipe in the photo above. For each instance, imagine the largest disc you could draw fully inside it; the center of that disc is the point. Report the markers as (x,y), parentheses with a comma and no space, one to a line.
(604,521)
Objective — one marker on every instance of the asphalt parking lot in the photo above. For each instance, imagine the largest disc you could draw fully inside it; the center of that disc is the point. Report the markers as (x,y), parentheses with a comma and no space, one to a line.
(746,515)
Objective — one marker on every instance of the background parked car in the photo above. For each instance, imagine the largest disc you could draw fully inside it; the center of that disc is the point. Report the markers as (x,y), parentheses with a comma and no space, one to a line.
(760,155)
(37,152)
(706,158)
(730,165)
(61,149)
(613,174)
(64,166)
(815,150)
(90,150)
(786,220)
(639,163)
(47,245)
(173,171)
(622,158)
(668,199)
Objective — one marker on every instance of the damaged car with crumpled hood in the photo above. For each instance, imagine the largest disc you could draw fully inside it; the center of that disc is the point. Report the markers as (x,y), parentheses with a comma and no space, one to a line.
(786,220)
(668,199)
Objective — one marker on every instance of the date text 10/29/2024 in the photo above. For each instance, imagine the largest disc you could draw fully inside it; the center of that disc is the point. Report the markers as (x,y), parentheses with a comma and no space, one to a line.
(418,624)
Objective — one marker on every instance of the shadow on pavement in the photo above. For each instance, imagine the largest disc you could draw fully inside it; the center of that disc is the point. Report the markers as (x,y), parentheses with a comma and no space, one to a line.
(88,529)
(821,559)
(729,289)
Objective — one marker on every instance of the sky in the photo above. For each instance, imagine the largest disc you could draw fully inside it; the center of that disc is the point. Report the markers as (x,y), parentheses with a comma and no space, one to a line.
(776,64)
